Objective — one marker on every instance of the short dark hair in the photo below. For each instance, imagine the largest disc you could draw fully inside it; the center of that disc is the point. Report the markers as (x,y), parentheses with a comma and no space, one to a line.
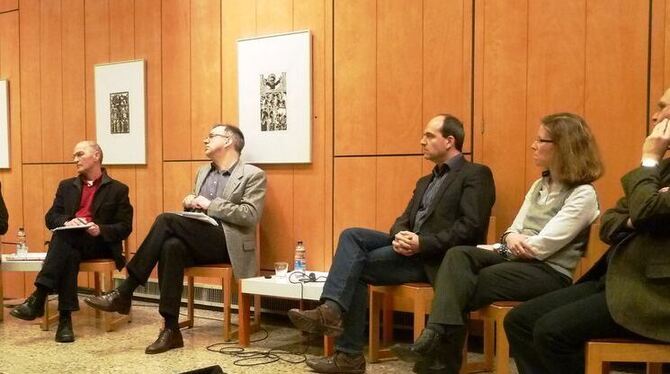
(235,134)
(452,126)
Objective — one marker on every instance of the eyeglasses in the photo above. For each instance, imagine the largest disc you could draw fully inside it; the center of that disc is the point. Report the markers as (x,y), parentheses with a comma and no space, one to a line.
(212,136)
(541,140)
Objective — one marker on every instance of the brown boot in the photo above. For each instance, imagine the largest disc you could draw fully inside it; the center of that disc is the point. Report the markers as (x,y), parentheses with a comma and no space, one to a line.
(340,362)
(322,320)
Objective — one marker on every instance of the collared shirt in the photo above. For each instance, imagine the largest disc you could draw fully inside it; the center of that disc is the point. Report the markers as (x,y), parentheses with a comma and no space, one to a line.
(88,190)
(215,182)
(440,173)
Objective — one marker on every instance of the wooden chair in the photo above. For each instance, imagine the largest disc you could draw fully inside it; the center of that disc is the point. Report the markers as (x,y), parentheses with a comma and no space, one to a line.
(420,296)
(599,353)
(103,281)
(494,314)
(225,273)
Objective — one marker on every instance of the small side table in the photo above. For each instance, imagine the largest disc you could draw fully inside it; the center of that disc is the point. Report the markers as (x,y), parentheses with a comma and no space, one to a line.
(274,287)
(32,263)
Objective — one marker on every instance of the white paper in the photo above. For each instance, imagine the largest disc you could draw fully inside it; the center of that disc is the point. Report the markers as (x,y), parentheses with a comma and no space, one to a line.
(198,216)
(87,225)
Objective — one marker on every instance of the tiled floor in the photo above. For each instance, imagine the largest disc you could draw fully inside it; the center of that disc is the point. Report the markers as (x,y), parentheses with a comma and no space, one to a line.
(24,348)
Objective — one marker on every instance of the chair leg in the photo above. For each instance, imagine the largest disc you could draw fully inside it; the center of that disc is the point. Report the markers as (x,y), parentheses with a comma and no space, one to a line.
(654,368)
(227,299)
(419,317)
(387,319)
(375,307)
(594,361)
(190,294)
(502,348)
(97,289)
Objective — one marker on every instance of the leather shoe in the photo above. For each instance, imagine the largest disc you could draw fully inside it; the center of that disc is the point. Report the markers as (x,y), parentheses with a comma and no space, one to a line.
(64,333)
(322,320)
(110,302)
(340,362)
(425,346)
(167,339)
(29,310)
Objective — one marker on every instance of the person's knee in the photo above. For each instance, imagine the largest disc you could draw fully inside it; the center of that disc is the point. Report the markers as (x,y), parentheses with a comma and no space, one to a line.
(351,232)
(547,335)
(514,321)
(173,246)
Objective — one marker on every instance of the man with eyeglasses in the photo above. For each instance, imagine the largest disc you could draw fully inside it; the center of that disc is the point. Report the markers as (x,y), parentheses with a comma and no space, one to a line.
(450,206)
(227,190)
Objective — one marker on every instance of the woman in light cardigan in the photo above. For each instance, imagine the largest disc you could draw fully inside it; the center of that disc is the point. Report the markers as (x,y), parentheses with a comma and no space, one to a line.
(536,255)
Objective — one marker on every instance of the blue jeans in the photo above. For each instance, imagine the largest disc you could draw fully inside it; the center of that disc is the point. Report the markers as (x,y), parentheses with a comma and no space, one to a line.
(364,257)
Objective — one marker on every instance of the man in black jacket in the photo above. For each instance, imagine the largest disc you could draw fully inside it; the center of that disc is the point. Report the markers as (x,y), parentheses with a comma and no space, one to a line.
(95,216)
(450,207)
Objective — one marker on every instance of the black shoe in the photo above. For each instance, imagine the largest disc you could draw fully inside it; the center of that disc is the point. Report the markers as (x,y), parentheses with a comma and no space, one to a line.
(29,310)
(425,346)
(64,333)
(322,320)
(167,339)
(111,302)
(340,362)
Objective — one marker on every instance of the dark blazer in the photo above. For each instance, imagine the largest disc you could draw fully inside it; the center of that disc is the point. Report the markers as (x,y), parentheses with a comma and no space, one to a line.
(638,275)
(459,215)
(4,216)
(111,211)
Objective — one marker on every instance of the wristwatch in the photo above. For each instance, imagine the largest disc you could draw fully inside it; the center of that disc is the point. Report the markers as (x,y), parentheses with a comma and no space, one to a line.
(501,249)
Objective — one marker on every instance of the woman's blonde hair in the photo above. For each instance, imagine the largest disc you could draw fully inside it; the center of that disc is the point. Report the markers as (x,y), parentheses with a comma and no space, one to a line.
(576,156)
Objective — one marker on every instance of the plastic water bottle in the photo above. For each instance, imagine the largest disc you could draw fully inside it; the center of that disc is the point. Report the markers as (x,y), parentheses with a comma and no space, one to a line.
(300,263)
(21,247)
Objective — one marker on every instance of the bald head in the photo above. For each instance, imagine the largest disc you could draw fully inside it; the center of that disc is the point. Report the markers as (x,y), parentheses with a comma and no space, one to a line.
(87,156)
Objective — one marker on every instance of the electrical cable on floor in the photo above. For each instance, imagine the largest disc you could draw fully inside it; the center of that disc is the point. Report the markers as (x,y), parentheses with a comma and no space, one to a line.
(263,357)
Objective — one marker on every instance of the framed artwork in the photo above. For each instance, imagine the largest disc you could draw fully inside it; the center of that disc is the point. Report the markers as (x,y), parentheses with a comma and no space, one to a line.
(4,125)
(275,97)
(120,112)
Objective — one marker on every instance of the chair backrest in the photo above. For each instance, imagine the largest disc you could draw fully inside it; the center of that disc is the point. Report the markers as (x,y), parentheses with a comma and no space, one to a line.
(491,235)
(592,253)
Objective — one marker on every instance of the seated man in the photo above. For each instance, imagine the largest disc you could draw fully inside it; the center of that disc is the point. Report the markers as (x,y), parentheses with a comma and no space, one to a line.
(450,207)
(627,293)
(227,190)
(4,217)
(99,205)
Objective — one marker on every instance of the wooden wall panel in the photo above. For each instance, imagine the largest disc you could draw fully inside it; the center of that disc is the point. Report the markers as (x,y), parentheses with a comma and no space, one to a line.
(355,194)
(399,76)
(238,20)
(278,242)
(122,30)
(556,63)
(150,177)
(180,176)
(396,179)
(447,39)
(620,102)
(274,16)
(660,53)
(309,188)
(51,81)
(31,125)
(74,74)
(8,5)
(96,34)
(205,71)
(176,57)
(355,82)
(504,102)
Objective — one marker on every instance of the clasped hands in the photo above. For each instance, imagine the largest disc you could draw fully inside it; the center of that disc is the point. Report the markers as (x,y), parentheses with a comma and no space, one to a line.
(80,221)
(518,245)
(406,243)
(196,202)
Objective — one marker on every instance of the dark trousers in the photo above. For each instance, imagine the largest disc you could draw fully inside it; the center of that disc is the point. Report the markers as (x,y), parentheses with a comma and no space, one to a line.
(547,334)
(175,242)
(364,257)
(470,278)
(60,269)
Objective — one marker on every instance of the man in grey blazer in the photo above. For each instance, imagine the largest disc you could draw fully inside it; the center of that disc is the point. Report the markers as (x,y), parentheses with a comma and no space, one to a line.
(627,293)
(227,190)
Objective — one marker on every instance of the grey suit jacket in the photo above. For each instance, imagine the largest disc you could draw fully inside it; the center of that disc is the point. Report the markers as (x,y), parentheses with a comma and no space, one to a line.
(239,208)
(638,275)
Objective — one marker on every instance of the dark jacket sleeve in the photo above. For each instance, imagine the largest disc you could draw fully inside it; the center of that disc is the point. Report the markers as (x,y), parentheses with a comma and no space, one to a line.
(56,216)
(649,209)
(613,228)
(119,225)
(4,216)
(477,198)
